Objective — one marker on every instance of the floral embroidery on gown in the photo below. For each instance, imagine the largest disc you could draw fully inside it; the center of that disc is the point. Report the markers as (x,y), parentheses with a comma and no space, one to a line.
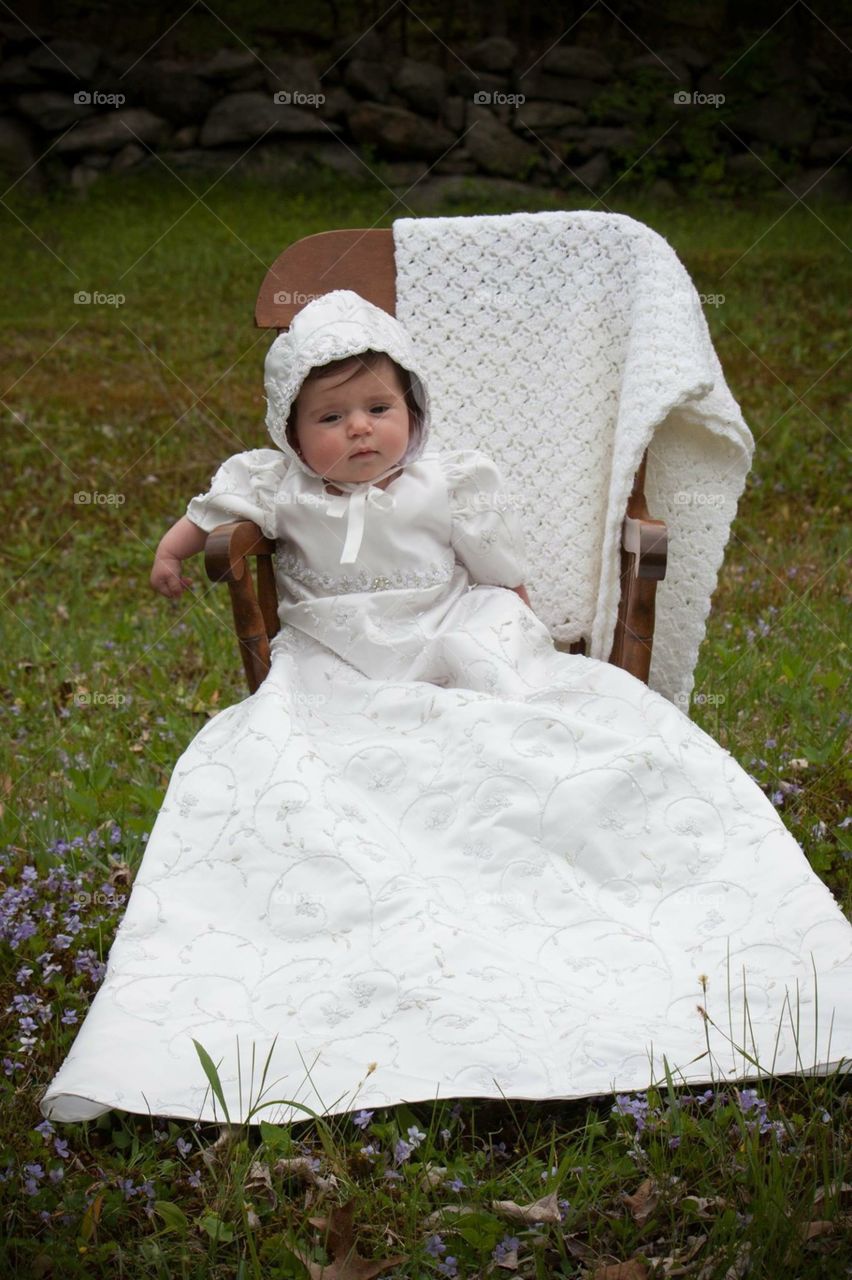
(433,843)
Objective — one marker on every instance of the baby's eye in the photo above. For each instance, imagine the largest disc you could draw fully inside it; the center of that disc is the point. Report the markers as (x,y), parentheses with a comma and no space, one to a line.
(379,408)
(329,416)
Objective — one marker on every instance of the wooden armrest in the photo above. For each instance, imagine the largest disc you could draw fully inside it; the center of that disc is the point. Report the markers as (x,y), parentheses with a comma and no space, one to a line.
(228,545)
(226,553)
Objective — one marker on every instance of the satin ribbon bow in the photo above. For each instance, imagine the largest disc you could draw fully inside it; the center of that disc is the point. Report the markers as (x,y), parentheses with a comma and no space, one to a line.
(356,505)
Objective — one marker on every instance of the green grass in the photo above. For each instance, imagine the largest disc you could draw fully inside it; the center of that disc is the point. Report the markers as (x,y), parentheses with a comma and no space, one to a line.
(105,684)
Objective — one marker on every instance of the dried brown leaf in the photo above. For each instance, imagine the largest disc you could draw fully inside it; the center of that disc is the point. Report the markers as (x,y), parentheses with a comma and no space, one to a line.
(704,1203)
(821,1228)
(544,1210)
(346,1263)
(843,1192)
(631,1270)
(301,1167)
(643,1202)
(432,1176)
(259,1179)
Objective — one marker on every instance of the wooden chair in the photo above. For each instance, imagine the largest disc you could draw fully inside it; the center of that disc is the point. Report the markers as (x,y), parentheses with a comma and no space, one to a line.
(364,262)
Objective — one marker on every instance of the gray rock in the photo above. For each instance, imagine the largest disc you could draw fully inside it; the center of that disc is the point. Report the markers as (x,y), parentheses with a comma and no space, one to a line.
(82,177)
(459,160)
(663,191)
(694,58)
(244,117)
(293,75)
(495,53)
(774,121)
(593,175)
(18,154)
(67,60)
(496,149)
(403,174)
(451,190)
(97,159)
(422,85)
(828,149)
(555,88)
(128,157)
(454,114)
(577,63)
(341,160)
(52,110)
(338,103)
(546,117)
(466,83)
(399,133)
(15,36)
(367,80)
(367,48)
(113,131)
(590,139)
(748,166)
(186,137)
(15,73)
(822,184)
(171,90)
(227,65)
(667,65)
(251,81)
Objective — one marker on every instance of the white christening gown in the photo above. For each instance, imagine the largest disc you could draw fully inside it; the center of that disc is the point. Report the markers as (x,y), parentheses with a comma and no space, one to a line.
(433,857)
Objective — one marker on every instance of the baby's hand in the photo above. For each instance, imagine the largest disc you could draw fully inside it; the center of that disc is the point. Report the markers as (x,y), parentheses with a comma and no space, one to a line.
(166,577)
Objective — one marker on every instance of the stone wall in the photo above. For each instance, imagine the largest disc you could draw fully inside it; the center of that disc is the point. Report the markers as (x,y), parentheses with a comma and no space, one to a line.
(578,118)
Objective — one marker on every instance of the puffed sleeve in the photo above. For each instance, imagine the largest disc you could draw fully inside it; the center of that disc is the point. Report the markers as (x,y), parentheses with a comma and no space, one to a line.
(243,488)
(486,526)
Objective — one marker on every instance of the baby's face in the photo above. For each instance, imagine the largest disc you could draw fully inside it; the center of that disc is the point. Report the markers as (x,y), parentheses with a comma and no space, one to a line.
(353,427)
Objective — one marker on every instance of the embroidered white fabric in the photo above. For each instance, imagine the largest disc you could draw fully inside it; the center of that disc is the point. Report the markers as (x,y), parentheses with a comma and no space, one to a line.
(432,857)
(485,866)
(563,344)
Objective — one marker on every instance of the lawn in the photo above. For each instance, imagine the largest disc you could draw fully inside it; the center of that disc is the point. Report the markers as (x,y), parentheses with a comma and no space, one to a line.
(136,399)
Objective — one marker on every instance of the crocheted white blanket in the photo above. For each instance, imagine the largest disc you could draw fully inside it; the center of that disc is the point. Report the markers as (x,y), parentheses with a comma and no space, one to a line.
(563,344)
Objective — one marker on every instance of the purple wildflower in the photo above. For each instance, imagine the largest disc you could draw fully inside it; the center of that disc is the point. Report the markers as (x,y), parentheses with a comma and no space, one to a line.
(402,1151)
(362,1119)
(183,1146)
(636,1107)
(509,1244)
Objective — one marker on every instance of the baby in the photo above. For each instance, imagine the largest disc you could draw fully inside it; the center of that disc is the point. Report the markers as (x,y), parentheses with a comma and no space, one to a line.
(350,423)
